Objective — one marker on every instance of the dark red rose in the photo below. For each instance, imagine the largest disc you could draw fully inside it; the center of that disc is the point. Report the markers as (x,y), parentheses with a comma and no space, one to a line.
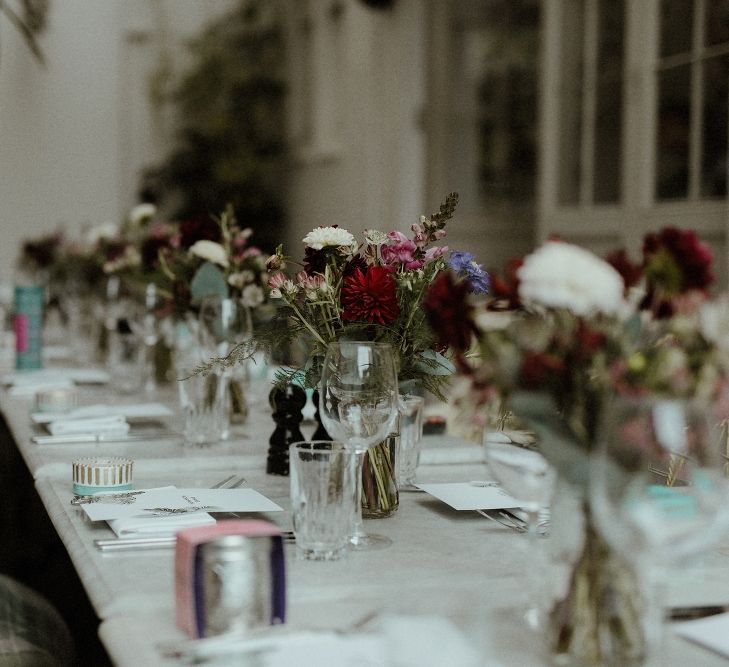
(369,296)
(540,369)
(448,311)
(198,229)
(505,287)
(630,272)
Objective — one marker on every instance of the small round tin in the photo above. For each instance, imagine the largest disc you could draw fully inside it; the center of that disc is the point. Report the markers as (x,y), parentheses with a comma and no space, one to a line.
(58,399)
(102,474)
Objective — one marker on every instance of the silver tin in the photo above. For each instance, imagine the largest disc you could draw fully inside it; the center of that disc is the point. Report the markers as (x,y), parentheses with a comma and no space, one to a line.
(237,584)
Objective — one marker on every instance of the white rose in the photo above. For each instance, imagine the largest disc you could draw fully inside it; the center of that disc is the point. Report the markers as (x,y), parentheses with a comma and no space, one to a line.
(324,237)
(141,214)
(211,251)
(561,275)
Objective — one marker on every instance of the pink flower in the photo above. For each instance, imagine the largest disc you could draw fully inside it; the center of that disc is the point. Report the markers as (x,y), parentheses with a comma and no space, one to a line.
(276,281)
(434,253)
(399,250)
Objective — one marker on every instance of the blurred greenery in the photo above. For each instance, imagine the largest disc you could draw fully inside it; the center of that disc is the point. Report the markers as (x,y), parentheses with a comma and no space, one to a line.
(229,106)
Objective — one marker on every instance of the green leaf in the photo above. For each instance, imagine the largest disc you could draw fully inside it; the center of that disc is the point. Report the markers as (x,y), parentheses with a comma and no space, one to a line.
(208,281)
(434,363)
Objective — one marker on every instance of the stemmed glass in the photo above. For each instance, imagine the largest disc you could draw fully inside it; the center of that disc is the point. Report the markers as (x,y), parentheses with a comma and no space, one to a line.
(658,489)
(526,475)
(358,403)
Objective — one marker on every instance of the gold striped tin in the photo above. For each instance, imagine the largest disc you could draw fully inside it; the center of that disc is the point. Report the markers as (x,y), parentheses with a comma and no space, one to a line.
(99,474)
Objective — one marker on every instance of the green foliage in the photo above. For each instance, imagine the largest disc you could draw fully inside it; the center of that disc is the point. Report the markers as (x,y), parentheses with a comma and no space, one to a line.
(230,110)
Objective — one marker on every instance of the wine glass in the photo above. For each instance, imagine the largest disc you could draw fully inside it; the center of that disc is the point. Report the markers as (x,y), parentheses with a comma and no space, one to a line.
(658,489)
(525,474)
(358,403)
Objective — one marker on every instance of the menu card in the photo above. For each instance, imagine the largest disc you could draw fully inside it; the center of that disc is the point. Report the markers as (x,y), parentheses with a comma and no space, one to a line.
(471,495)
(144,503)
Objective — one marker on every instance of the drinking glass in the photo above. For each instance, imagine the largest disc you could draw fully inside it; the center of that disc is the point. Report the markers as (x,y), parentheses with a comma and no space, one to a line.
(125,359)
(658,489)
(322,497)
(358,405)
(411,432)
(526,475)
(223,323)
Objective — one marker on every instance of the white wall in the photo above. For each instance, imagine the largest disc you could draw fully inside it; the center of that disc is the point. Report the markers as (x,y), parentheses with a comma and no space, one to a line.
(356,96)
(74,135)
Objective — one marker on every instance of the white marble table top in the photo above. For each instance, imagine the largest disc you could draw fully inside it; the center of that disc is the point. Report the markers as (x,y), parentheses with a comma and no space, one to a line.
(440,561)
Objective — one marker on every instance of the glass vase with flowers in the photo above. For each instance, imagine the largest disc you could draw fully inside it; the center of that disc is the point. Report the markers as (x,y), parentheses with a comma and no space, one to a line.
(554,344)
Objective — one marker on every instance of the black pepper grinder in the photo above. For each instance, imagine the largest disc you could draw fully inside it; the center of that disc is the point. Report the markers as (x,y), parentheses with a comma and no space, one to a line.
(321,432)
(287,404)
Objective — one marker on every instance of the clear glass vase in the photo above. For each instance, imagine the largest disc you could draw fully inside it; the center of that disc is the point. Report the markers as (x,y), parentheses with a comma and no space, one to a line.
(598,609)
(380,497)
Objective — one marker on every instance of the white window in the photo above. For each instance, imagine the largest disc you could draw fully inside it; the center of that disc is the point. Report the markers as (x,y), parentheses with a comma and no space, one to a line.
(634,120)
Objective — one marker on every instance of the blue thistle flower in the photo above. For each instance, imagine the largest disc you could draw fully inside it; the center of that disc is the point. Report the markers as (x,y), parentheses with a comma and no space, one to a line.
(465,266)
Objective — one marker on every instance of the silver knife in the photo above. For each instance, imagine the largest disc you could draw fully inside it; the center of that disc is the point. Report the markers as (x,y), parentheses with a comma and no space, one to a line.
(699,611)
(81,438)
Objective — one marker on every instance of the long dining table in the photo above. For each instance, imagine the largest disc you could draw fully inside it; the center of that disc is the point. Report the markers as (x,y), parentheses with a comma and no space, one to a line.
(441,562)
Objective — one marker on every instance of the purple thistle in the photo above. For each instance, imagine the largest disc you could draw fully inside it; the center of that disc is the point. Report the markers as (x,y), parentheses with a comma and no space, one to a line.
(464,265)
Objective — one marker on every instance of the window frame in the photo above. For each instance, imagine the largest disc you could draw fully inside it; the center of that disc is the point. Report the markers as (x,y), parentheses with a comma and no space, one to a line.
(624,223)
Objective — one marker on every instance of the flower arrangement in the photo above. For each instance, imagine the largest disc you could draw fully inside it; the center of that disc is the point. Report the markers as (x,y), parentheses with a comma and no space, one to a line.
(369,290)
(580,329)
(190,260)
(563,332)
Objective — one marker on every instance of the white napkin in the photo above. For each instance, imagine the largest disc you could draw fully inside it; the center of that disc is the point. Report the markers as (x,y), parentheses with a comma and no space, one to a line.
(451,454)
(113,425)
(128,410)
(52,376)
(160,526)
(31,388)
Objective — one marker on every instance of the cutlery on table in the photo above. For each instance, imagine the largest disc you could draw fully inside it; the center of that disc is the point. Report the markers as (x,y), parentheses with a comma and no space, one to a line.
(82,438)
(691,613)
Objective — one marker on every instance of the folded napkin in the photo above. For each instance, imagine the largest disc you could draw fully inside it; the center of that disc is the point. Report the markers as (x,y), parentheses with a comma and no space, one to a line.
(31,388)
(158,526)
(451,454)
(128,410)
(54,375)
(113,425)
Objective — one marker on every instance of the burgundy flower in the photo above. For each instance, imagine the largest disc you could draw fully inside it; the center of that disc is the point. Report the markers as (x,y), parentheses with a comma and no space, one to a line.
(448,312)
(505,288)
(540,369)
(315,261)
(370,296)
(690,254)
(198,229)
(588,342)
(630,272)
(150,252)
(675,261)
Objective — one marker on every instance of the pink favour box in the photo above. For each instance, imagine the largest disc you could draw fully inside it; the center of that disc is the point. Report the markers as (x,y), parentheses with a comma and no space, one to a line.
(186,565)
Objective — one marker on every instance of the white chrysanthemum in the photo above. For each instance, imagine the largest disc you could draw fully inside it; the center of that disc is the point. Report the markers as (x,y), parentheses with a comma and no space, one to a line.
(211,251)
(106,230)
(325,237)
(141,214)
(561,275)
(252,296)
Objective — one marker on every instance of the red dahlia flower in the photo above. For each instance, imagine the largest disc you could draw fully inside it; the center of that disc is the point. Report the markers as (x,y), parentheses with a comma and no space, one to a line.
(448,311)
(370,296)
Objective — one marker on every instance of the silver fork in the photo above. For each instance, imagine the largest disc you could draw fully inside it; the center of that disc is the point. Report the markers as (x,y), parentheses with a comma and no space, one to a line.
(505,520)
